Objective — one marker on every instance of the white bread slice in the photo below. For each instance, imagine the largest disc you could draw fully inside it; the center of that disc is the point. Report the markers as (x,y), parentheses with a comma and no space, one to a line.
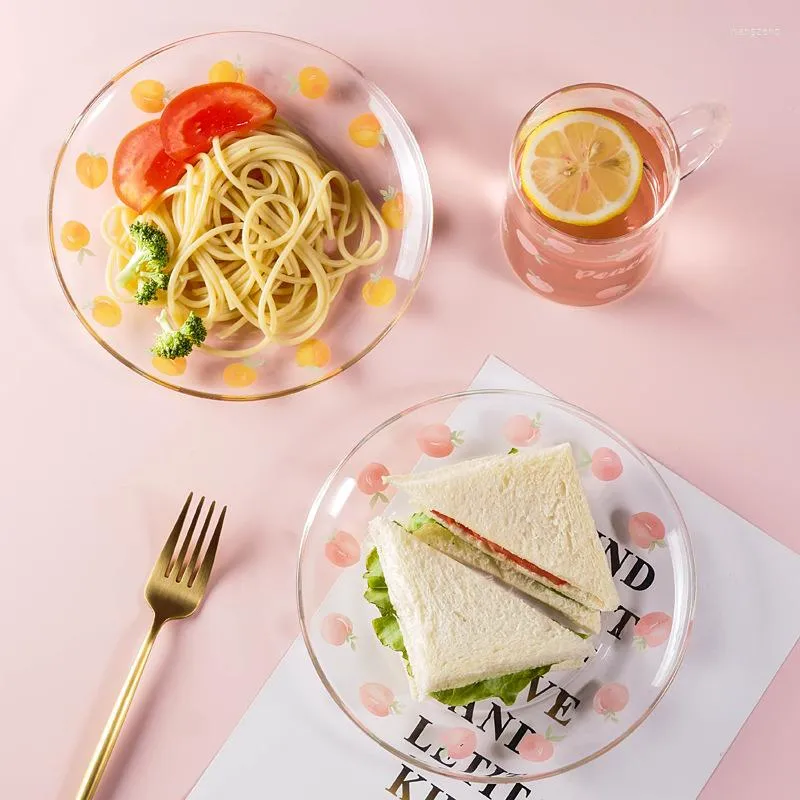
(586,620)
(458,625)
(531,504)
(575,663)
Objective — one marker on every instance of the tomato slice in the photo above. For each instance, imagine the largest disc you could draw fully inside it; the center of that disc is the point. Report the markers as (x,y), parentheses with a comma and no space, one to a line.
(500,551)
(142,169)
(194,117)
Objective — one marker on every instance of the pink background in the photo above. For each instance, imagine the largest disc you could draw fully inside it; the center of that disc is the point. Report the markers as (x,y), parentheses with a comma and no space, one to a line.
(699,367)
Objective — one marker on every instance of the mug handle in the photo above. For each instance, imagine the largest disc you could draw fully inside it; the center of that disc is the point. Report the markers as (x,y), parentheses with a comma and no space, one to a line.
(700,131)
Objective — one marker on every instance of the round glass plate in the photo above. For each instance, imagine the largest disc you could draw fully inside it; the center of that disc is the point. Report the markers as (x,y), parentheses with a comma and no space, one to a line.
(562,720)
(346,116)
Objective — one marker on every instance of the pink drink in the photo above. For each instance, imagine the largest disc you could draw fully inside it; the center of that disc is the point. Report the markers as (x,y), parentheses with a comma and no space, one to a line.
(591,265)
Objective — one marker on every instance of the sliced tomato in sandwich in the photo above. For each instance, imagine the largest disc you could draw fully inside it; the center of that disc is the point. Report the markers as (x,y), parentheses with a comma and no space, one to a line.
(496,549)
(193,118)
(142,170)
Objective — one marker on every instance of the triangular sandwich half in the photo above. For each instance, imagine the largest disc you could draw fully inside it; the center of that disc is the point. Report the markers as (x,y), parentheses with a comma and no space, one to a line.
(465,637)
(527,512)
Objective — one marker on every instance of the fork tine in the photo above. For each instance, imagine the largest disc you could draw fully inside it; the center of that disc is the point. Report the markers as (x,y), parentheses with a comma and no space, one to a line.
(208,559)
(191,569)
(164,559)
(179,564)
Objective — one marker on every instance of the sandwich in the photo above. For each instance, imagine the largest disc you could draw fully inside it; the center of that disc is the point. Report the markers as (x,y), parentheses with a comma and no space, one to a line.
(524,519)
(464,637)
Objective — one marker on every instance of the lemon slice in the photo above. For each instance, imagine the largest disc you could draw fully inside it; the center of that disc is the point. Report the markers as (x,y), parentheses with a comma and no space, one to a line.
(581,167)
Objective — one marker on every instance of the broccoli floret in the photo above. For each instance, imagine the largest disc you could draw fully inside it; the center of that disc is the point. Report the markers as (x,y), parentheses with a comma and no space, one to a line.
(148,260)
(173,344)
(149,284)
(194,328)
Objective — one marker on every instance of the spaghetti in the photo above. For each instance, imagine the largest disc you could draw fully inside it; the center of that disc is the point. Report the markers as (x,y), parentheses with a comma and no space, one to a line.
(262,232)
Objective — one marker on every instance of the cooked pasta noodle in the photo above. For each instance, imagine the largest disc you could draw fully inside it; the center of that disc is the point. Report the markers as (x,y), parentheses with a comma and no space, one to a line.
(262,232)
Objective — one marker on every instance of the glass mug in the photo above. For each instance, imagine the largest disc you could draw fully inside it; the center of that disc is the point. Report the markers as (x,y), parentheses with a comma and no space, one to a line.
(592,265)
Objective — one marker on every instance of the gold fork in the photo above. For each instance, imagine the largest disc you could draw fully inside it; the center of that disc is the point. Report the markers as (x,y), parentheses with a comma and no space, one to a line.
(174,590)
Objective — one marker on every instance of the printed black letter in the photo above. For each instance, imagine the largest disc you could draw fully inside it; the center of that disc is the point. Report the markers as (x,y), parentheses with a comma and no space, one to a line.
(627,616)
(403,782)
(565,702)
(412,739)
(496,714)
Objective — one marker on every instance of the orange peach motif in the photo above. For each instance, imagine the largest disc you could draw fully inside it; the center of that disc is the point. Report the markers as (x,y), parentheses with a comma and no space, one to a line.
(365,130)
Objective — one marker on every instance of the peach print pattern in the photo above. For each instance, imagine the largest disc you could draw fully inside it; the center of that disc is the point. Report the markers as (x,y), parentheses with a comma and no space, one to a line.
(150,96)
(606,464)
(239,375)
(378,699)
(342,549)
(537,747)
(371,481)
(172,369)
(312,353)
(365,130)
(378,290)
(458,742)
(337,629)
(652,630)
(106,311)
(393,208)
(610,699)
(91,169)
(312,82)
(646,530)
(438,441)
(227,72)
(75,237)
(521,430)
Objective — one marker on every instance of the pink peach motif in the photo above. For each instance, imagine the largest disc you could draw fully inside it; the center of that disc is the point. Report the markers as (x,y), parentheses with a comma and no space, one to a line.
(539,283)
(612,291)
(459,742)
(371,481)
(378,699)
(626,252)
(521,430)
(623,254)
(606,464)
(337,629)
(438,441)
(646,530)
(557,244)
(610,699)
(652,630)
(534,747)
(537,747)
(528,245)
(342,549)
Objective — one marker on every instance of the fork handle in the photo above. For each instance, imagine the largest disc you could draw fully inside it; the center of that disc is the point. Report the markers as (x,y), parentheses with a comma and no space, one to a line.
(102,753)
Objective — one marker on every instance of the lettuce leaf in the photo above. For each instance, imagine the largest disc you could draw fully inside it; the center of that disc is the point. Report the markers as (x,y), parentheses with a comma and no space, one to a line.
(506,687)
(377,592)
(387,629)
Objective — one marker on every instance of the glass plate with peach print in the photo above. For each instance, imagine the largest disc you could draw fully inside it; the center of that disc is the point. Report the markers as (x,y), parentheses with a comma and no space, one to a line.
(563,719)
(348,119)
